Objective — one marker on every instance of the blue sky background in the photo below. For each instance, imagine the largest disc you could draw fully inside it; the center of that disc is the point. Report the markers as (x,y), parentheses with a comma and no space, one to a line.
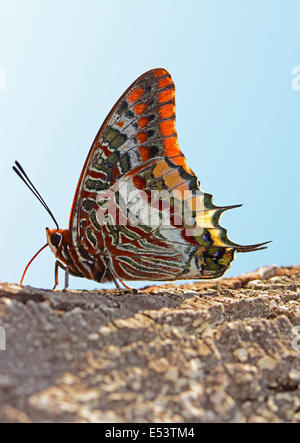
(238,117)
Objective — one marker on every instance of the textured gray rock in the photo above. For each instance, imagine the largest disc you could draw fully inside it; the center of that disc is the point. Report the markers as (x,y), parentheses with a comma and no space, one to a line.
(227,351)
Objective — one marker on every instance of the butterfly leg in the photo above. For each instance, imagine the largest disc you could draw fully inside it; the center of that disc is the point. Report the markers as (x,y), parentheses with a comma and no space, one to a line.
(106,260)
(129,288)
(67,273)
(126,286)
(116,282)
(104,256)
(66,269)
(56,275)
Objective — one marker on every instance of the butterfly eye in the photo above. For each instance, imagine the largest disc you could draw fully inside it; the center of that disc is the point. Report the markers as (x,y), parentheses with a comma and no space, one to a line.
(56,239)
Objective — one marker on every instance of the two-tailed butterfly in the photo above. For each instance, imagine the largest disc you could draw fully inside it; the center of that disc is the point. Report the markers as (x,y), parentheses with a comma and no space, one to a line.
(138,211)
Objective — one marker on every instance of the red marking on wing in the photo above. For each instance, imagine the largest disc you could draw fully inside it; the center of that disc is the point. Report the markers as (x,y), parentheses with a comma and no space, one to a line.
(143,122)
(144,153)
(167,128)
(171,146)
(167,111)
(140,109)
(142,136)
(164,82)
(139,182)
(160,72)
(105,150)
(172,150)
(166,95)
(136,94)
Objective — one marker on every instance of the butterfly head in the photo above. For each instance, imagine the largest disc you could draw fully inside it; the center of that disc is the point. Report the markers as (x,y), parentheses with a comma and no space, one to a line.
(55,239)
(60,244)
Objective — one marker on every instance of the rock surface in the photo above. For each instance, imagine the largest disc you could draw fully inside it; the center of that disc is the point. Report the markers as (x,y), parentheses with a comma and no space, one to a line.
(223,351)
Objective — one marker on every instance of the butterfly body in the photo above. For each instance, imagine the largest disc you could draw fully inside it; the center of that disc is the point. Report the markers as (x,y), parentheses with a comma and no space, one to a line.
(138,211)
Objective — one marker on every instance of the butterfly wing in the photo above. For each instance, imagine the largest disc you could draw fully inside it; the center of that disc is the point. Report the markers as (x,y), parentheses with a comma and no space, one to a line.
(137,202)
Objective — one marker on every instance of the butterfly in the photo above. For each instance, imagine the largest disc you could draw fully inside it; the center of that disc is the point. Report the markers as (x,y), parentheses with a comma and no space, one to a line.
(138,211)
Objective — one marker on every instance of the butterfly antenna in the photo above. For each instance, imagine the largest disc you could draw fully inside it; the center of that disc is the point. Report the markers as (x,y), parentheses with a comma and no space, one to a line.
(24,177)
